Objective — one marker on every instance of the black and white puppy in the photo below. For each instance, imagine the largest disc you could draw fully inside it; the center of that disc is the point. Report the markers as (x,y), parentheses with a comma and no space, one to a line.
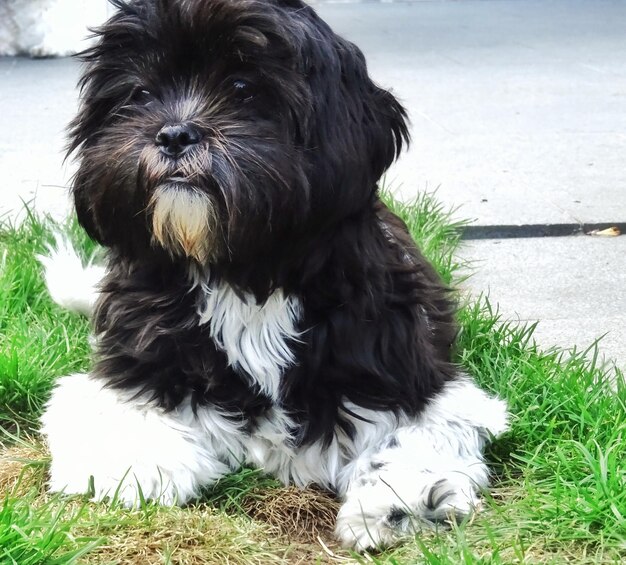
(260,304)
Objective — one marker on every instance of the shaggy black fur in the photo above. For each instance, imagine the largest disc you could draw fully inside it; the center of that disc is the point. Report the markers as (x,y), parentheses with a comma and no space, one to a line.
(295,138)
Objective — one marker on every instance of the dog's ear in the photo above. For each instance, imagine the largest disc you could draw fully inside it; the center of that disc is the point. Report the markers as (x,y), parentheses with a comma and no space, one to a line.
(388,126)
(374,113)
(356,129)
(85,212)
(104,212)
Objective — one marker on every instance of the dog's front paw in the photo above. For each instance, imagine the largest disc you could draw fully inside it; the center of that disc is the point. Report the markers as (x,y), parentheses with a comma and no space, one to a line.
(104,445)
(380,510)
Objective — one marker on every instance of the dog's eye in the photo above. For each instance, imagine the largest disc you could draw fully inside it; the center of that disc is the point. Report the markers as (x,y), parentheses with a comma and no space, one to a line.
(244,90)
(141,96)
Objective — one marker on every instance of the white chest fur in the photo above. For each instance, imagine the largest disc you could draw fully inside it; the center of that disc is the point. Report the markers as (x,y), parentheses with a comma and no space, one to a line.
(256,338)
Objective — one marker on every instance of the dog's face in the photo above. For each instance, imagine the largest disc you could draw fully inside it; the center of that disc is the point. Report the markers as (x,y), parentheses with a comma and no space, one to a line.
(227,132)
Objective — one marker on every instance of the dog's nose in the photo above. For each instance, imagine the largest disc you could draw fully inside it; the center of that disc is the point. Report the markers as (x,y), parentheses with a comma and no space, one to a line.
(175,140)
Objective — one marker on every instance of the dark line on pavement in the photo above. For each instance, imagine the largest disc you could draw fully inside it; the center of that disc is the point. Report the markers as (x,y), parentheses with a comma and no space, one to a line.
(536,230)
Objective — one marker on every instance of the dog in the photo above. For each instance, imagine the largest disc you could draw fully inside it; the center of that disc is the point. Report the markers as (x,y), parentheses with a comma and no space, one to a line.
(260,304)
(48,28)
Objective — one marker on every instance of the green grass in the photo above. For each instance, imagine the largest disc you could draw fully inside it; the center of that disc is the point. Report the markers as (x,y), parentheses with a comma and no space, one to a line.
(31,535)
(38,341)
(559,475)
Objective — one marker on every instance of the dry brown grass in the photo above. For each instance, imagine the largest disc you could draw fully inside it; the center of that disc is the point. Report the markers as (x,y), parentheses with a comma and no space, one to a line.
(303,518)
(22,467)
(183,536)
(297,514)
(284,525)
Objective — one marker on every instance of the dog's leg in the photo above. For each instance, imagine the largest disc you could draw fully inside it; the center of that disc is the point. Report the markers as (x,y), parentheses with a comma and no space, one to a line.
(105,445)
(425,473)
(71,284)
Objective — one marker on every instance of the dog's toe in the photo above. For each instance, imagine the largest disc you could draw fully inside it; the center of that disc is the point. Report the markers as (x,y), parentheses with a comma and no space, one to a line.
(378,514)
(364,531)
(449,498)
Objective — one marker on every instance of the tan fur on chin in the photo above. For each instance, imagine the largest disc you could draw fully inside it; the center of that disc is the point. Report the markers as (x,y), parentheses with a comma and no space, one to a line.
(184,221)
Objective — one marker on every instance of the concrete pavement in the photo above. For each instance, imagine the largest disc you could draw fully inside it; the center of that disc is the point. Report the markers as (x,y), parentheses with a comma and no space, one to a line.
(574,286)
(517,105)
(518,114)
(37,100)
